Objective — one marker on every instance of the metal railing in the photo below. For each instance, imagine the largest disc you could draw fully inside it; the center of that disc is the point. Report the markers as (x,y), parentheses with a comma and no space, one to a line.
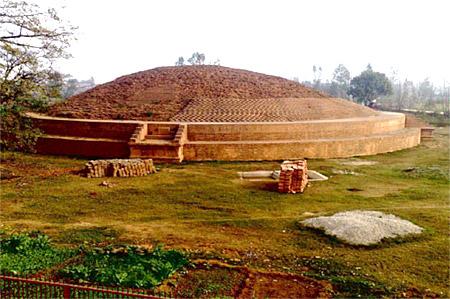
(20,287)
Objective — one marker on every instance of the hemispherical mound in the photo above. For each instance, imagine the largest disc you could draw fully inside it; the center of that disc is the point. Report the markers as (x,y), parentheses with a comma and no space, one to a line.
(206,94)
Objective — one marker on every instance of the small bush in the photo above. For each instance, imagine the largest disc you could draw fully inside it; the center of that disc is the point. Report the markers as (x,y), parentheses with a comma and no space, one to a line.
(127,266)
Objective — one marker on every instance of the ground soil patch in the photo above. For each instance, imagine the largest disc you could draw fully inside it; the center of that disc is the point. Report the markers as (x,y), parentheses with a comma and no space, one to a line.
(206,279)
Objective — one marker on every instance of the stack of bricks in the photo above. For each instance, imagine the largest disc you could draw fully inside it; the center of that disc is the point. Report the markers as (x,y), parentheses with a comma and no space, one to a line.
(119,168)
(293,177)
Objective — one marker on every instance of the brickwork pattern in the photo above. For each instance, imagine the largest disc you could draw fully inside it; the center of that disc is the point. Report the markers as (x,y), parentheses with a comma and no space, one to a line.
(269,110)
(159,94)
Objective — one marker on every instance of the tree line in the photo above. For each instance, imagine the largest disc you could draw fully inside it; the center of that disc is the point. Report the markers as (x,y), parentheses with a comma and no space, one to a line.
(387,92)
(196,58)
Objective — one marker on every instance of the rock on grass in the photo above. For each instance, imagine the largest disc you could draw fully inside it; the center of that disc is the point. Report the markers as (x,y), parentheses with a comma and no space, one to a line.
(363,227)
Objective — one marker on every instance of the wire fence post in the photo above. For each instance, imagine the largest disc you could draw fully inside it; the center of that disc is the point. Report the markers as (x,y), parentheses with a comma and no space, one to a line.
(66,292)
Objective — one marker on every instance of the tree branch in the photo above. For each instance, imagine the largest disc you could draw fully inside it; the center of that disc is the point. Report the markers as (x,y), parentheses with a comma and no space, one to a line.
(48,35)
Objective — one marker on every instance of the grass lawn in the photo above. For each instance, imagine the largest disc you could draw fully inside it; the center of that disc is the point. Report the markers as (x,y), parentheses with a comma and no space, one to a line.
(207,211)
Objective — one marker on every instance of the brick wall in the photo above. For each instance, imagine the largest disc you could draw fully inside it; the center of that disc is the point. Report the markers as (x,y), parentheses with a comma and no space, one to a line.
(85,128)
(319,148)
(232,141)
(296,130)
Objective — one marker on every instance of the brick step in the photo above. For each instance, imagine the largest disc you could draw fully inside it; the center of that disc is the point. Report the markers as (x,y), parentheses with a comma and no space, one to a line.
(158,142)
(166,160)
(156,152)
(157,129)
(156,149)
(159,137)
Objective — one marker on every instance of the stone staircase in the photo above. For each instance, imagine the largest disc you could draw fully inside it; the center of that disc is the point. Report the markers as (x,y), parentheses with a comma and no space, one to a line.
(161,142)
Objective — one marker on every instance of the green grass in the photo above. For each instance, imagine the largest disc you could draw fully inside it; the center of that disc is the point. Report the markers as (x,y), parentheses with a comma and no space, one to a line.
(347,281)
(92,235)
(205,208)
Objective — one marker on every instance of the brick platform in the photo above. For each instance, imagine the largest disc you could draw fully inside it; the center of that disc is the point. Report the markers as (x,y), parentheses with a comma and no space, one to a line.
(174,142)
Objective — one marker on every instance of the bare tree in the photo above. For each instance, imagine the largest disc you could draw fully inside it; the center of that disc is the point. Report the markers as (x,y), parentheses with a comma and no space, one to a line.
(31,39)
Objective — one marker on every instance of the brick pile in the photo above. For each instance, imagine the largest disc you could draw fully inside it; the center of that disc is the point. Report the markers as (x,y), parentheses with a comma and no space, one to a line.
(293,177)
(119,168)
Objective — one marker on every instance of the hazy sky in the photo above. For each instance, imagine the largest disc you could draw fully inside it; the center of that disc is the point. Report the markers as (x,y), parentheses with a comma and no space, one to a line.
(284,38)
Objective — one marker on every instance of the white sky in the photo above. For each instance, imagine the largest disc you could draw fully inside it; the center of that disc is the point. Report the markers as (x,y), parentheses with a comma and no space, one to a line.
(284,38)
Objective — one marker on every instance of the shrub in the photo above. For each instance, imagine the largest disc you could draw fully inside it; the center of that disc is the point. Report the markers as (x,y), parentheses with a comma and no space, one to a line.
(17,132)
(29,253)
(127,266)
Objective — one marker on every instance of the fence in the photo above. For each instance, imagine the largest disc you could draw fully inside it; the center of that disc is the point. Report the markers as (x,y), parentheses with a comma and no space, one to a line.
(19,287)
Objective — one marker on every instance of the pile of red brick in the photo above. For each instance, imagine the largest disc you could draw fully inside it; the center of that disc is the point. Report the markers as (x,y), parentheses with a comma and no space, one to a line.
(119,168)
(293,177)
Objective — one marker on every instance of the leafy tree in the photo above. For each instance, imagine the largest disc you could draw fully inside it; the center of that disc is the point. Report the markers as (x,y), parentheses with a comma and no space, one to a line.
(341,75)
(317,70)
(69,88)
(31,39)
(369,85)
(426,90)
(53,85)
(197,59)
(340,82)
(180,61)
(72,86)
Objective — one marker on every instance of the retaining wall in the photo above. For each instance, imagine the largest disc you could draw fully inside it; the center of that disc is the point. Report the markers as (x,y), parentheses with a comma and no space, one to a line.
(119,130)
(83,137)
(82,147)
(230,141)
(289,149)
(300,130)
